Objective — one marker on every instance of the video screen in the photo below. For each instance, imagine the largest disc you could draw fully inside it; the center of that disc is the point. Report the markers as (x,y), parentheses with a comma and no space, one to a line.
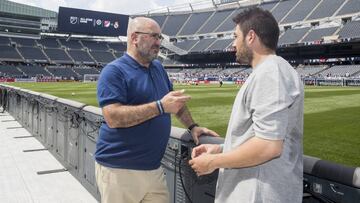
(87,22)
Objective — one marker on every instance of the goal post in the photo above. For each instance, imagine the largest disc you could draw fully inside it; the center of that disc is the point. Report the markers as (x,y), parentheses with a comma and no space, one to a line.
(91,77)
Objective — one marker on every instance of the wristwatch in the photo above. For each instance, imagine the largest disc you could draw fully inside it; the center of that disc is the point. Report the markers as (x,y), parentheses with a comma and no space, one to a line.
(193,126)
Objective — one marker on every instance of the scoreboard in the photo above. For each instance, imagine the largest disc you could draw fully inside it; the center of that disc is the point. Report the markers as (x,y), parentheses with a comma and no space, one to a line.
(87,22)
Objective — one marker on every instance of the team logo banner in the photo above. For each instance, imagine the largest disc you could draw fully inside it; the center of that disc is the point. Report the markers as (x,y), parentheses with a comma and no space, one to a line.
(87,22)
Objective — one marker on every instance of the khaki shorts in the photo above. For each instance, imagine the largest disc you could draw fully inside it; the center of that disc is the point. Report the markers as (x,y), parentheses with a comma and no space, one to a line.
(131,186)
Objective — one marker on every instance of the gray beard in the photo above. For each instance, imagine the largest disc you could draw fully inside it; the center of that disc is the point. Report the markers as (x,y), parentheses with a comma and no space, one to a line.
(146,55)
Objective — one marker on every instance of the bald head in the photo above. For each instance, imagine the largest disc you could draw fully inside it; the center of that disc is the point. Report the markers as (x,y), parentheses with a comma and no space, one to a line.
(142,24)
(143,39)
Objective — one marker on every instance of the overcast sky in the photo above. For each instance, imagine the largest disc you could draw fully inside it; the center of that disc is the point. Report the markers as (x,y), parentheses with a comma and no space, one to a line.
(114,6)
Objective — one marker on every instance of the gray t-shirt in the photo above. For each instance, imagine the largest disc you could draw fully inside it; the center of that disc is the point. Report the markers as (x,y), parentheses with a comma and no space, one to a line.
(270,106)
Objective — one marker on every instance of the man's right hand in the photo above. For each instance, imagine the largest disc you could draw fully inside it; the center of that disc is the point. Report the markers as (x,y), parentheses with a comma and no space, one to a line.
(205,148)
(174,101)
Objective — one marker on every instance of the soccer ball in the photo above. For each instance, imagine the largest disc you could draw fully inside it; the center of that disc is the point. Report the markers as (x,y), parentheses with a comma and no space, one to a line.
(73,94)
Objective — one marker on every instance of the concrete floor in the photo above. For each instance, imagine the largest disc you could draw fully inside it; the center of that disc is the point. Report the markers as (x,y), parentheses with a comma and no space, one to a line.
(19,181)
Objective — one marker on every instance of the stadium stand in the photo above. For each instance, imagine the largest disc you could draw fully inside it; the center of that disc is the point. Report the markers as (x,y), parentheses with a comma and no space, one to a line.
(341,71)
(292,36)
(220,45)
(49,43)
(246,71)
(173,70)
(85,70)
(81,56)
(94,45)
(58,55)
(194,22)
(71,44)
(351,6)
(282,8)
(24,41)
(285,12)
(202,45)
(306,71)
(350,30)
(63,72)
(268,5)
(9,53)
(300,11)
(186,44)
(203,32)
(159,19)
(227,24)
(34,70)
(326,8)
(32,53)
(357,75)
(4,41)
(10,71)
(174,23)
(120,47)
(318,34)
(215,20)
(103,57)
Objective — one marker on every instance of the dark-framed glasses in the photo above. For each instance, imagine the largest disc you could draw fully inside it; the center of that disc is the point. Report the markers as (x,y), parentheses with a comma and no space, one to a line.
(157,36)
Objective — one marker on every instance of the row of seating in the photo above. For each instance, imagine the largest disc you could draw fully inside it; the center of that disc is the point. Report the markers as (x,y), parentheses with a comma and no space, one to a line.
(285,12)
(28,71)
(79,72)
(56,55)
(72,44)
(304,71)
(350,30)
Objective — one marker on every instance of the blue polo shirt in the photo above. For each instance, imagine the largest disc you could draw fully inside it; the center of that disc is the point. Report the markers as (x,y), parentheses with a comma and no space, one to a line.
(140,147)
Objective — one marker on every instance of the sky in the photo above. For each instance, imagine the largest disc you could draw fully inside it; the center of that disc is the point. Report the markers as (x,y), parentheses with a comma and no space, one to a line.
(111,6)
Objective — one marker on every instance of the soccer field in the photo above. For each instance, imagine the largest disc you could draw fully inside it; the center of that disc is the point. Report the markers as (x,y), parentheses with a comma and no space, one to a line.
(331,121)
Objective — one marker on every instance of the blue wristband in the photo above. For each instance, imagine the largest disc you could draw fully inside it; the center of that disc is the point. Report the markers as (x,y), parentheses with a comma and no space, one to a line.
(160,107)
(222,147)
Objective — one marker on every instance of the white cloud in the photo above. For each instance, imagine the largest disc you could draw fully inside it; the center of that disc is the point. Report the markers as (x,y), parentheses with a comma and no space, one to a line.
(45,4)
(121,6)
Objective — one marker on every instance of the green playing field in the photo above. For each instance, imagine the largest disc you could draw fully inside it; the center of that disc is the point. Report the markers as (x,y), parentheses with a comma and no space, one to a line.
(332,114)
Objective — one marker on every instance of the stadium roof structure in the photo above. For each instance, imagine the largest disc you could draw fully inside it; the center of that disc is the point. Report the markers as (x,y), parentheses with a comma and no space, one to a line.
(25,10)
(24,20)
(206,27)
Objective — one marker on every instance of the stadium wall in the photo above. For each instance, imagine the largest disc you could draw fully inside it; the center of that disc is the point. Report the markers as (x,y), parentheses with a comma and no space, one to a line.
(69,130)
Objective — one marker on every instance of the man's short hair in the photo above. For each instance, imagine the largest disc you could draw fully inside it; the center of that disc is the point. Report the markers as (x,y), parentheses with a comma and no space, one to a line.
(262,22)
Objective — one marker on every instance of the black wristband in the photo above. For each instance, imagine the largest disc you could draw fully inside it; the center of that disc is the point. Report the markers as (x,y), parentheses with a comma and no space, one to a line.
(193,126)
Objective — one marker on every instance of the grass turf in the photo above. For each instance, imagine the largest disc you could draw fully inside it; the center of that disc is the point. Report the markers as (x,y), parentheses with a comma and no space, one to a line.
(331,120)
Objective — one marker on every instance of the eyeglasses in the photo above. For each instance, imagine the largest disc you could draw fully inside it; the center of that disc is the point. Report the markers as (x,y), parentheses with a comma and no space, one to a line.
(156,36)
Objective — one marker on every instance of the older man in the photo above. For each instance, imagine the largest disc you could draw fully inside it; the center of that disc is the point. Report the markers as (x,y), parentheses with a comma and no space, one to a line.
(137,98)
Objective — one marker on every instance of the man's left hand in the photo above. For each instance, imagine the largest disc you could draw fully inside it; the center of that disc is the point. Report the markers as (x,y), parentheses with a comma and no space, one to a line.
(202,164)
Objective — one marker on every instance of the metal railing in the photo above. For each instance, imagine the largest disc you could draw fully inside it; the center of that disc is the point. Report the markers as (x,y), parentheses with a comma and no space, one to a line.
(331,82)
